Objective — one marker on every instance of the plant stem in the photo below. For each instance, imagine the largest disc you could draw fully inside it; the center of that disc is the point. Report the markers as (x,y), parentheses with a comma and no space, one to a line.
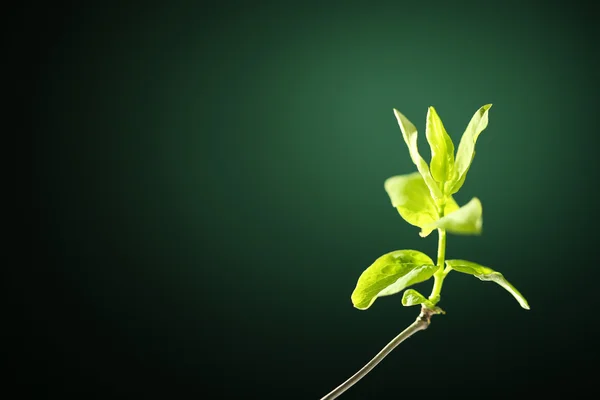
(441,258)
(421,323)
(438,277)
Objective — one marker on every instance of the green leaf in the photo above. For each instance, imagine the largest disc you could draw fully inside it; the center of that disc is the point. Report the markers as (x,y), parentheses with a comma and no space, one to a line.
(411,297)
(451,205)
(467,220)
(409,133)
(442,148)
(390,274)
(411,197)
(466,147)
(487,274)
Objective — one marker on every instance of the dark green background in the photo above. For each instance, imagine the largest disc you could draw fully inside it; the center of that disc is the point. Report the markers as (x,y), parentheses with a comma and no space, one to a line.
(207,187)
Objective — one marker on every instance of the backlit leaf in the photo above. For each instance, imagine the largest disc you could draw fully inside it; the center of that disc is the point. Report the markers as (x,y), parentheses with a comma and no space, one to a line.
(390,274)
(466,147)
(411,297)
(487,274)
(467,220)
(409,133)
(411,197)
(442,148)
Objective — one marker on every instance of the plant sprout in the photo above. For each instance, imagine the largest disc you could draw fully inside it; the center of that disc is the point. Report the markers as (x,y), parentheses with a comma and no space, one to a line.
(424,199)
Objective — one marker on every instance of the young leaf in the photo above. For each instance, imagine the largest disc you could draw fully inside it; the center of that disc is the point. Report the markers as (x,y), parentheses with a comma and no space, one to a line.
(467,220)
(411,297)
(390,274)
(442,148)
(466,147)
(487,274)
(409,133)
(411,197)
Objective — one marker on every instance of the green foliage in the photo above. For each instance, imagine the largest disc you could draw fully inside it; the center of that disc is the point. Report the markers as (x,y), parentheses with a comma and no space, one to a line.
(424,199)
(413,298)
(466,220)
(487,274)
(390,274)
(442,148)
(466,147)
(409,133)
(410,195)
(428,203)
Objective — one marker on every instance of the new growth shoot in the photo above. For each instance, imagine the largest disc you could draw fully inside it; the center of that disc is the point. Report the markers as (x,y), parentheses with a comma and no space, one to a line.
(424,199)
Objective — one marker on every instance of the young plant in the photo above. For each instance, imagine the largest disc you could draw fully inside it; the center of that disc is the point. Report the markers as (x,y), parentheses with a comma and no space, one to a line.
(424,199)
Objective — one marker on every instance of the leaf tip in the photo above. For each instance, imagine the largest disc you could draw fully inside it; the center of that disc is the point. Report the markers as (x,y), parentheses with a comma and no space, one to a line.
(359,302)
(432,114)
(425,232)
(358,306)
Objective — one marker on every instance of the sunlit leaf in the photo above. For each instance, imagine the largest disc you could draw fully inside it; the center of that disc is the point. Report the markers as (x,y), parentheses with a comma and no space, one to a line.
(411,197)
(487,274)
(409,133)
(411,297)
(451,205)
(390,274)
(466,147)
(442,148)
(467,220)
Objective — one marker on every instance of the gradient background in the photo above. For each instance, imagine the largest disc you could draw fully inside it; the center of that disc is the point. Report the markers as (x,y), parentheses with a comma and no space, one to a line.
(207,186)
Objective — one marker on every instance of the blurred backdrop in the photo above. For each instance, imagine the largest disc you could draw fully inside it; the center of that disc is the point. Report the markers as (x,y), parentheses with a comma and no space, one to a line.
(207,186)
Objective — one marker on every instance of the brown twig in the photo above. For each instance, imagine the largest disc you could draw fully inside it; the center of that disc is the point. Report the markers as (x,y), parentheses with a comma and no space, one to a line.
(420,324)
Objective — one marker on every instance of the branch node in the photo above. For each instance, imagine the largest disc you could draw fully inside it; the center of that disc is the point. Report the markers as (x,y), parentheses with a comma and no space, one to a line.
(425,316)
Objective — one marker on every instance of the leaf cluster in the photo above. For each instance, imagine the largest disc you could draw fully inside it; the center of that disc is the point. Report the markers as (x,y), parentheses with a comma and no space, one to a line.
(425,199)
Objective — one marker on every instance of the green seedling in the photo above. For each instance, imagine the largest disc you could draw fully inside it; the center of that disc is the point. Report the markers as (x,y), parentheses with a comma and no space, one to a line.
(424,199)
